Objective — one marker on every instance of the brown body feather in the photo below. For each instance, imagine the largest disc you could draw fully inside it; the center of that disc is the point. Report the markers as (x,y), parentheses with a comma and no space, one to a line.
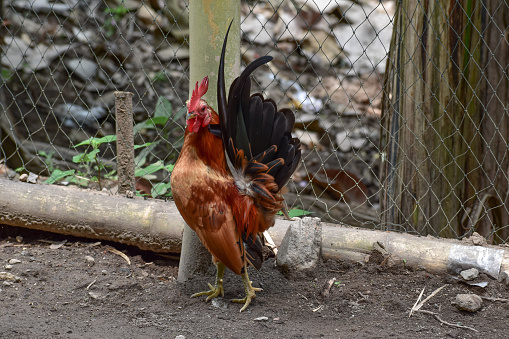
(210,202)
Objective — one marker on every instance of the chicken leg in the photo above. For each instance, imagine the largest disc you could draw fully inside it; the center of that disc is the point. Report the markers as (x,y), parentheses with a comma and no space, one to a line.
(217,289)
(250,291)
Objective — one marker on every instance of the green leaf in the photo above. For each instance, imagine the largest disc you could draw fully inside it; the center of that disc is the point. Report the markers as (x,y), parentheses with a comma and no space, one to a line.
(160,189)
(57,175)
(85,157)
(95,142)
(163,108)
(75,180)
(149,169)
(150,123)
(141,158)
(295,212)
(180,113)
(144,145)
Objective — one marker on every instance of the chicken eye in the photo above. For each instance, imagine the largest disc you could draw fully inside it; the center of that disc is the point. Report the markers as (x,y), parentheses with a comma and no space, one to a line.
(203,109)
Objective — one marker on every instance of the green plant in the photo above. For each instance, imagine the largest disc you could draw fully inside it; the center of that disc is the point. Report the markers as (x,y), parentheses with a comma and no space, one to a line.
(166,123)
(7,73)
(115,15)
(159,76)
(55,173)
(48,159)
(88,158)
(162,188)
(296,212)
(163,117)
(89,161)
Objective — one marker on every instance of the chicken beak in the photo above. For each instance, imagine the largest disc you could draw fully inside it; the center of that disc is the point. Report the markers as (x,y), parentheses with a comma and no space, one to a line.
(191,115)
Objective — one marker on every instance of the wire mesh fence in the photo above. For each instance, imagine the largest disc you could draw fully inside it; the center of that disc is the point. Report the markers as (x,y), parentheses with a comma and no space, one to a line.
(401,106)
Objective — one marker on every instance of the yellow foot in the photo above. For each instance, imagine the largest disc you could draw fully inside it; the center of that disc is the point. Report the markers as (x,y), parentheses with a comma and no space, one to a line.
(213,292)
(217,289)
(250,291)
(247,299)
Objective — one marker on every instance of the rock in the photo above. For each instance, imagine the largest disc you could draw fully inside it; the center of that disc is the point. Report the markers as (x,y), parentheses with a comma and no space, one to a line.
(170,53)
(469,274)
(32,178)
(90,260)
(299,253)
(475,239)
(261,318)
(8,267)
(19,239)
(180,336)
(104,272)
(95,295)
(84,68)
(503,277)
(23,177)
(219,303)
(307,138)
(149,17)
(14,261)
(468,302)
(43,6)
(74,115)
(9,277)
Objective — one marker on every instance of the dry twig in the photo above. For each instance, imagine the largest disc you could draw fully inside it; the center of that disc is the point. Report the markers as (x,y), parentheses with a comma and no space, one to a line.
(270,242)
(437,317)
(418,304)
(326,290)
(117,252)
(494,299)
(89,285)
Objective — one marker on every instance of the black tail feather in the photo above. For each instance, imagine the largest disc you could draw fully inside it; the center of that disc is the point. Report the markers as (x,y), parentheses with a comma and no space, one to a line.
(254,248)
(253,124)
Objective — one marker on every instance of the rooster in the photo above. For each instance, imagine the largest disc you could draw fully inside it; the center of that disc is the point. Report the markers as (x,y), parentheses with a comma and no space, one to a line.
(229,178)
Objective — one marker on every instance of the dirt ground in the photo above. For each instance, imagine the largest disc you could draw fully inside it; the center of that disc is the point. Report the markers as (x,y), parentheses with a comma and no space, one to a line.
(63,293)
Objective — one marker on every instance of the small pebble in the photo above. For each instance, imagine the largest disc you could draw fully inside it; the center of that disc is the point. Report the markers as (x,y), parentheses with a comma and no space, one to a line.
(7,283)
(9,277)
(469,274)
(503,277)
(90,260)
(104,272)
(23,177)
(469,302)
(19,239)
(261,319)
(220,303)
(95,295)
(32,178)
(8,267)
(180,336)
(14,261)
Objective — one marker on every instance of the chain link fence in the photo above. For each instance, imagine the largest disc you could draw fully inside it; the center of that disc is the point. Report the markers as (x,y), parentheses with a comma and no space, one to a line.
(394,101)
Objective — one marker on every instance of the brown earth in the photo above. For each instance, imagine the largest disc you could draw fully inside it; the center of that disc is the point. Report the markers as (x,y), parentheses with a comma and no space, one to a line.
(62,295)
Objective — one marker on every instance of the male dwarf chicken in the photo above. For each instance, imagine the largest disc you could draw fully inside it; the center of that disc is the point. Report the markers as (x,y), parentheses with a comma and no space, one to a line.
(228,180)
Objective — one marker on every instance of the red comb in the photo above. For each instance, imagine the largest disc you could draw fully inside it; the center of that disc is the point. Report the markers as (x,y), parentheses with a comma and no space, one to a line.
(198,93)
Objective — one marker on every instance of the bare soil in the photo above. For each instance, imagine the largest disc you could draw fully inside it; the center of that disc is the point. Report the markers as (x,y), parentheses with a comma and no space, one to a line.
(62,295)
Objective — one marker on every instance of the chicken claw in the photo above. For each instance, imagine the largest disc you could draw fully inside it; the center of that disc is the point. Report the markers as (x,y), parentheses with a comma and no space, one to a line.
(217,289)
(214,291)
(250,292)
